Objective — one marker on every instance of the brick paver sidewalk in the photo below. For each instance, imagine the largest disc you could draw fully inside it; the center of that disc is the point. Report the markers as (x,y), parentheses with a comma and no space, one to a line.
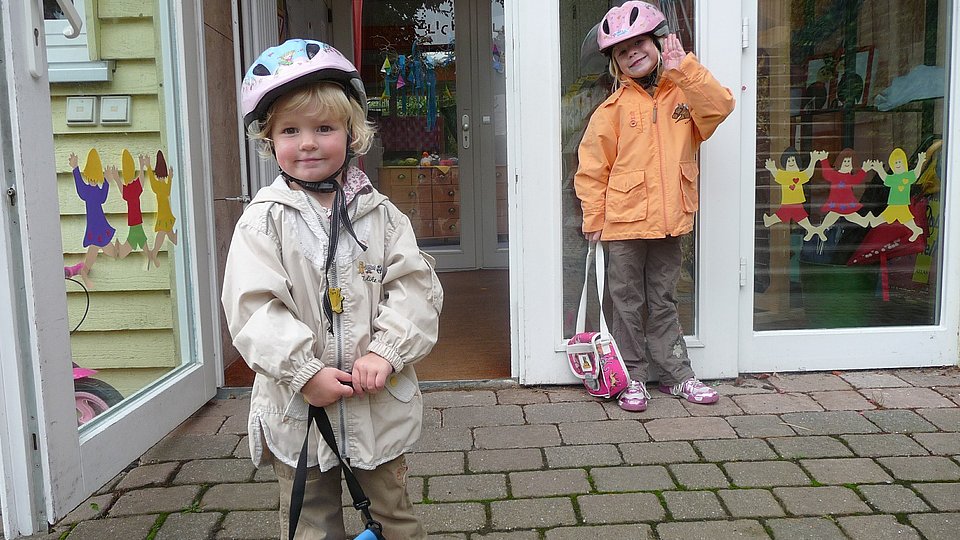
(862,455)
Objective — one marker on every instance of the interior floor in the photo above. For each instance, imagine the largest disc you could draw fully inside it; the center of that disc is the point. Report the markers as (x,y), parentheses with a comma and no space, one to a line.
(474,339)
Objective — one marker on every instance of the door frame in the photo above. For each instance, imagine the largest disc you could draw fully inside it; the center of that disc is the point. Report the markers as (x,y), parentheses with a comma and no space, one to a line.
(68,464)
(536,215)
(851,348)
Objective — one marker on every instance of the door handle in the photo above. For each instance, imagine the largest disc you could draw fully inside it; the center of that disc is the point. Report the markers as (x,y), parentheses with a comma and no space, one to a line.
(466,130)
(73,17)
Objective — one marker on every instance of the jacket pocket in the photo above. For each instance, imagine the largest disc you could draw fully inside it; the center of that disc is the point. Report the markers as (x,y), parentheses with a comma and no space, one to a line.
(626,197)
(401,387)
(689,175)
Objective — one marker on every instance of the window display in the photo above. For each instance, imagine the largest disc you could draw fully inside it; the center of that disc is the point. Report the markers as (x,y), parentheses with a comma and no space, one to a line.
(850,120)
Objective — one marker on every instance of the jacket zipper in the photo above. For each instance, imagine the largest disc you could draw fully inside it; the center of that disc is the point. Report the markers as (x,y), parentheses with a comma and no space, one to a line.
(663,197)
(338,337)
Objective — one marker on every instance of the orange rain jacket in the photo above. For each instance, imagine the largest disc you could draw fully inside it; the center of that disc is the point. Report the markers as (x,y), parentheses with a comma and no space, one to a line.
(638,157)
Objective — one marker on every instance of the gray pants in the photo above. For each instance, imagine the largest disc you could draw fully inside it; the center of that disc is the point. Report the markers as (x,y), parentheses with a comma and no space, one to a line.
(642,276)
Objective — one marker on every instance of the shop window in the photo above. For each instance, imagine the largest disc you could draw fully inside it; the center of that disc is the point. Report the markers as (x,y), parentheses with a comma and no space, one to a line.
(850,118)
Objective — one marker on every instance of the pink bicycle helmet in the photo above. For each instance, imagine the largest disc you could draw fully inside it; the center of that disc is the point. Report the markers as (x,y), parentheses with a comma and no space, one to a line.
(634,18)
(294,63)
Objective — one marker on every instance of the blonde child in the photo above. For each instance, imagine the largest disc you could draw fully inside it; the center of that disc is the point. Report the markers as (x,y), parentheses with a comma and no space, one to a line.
(637,183)
(322,318)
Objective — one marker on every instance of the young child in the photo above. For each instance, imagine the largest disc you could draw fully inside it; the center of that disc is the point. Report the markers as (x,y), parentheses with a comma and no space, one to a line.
(637,184)
(326,318)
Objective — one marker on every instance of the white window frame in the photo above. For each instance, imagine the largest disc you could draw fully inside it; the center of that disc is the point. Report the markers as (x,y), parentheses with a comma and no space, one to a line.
(69,59)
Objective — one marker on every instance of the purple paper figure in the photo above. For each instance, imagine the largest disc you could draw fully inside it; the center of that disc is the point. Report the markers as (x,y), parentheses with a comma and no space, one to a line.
(93,191)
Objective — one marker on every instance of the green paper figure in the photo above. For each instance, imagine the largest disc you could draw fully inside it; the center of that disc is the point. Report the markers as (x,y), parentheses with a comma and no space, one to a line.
(899,182)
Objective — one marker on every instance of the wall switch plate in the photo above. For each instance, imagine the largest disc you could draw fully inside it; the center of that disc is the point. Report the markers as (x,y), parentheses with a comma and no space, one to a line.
(115,110)
(81,111)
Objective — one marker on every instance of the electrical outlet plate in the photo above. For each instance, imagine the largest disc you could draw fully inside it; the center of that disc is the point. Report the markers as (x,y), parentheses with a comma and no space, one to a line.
(115,110)
(81,111)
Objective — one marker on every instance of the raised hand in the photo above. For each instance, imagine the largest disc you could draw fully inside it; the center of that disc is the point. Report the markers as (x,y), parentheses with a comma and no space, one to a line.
(672,53)
(73,161)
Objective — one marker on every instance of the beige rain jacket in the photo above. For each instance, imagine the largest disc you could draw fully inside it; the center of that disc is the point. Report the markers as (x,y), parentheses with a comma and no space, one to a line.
(272,300)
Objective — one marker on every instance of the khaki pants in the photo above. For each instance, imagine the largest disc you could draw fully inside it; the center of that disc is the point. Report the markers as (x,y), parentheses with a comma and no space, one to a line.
(642,276)
(322,514)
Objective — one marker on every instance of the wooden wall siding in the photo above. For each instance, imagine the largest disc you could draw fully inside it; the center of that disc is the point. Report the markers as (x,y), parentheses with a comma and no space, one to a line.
(143,348)
(126,381)
(121,39)
(125,275)
(128,333)
(125,9)
(146,120)
(123,310)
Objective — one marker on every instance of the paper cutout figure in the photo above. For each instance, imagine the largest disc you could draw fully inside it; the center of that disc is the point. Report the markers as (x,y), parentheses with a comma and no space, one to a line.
(93,191)
(161,182)
(899,182)
(841,202)
(130,187)
(791,180)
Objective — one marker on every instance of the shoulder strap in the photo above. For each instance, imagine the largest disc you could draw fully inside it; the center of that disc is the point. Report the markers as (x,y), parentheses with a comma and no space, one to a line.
(595,253)
(318,416)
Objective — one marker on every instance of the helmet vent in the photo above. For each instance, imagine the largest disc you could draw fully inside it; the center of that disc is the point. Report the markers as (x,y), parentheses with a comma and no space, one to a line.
(312,49)
(634,14)
(261,70)
(606,27)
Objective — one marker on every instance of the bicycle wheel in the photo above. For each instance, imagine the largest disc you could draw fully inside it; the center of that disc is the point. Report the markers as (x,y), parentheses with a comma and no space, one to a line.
(93,397)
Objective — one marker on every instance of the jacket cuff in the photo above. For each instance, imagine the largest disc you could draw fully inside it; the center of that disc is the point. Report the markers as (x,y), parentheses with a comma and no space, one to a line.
(688,67)
(387,352)
(305,373)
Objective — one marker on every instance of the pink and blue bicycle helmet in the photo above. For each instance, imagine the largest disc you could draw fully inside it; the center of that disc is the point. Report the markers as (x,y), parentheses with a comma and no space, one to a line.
(634,18)
(295,63)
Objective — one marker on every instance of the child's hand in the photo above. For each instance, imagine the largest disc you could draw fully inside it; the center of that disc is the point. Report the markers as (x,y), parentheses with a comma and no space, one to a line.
(672,52)
(73,161)
(593,236)
(370,373)
(325,387)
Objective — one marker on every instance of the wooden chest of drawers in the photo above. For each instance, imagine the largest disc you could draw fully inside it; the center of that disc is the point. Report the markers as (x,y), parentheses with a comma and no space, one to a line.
(429,196)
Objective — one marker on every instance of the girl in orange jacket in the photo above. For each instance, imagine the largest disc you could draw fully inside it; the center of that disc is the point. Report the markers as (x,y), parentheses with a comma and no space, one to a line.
(637,183)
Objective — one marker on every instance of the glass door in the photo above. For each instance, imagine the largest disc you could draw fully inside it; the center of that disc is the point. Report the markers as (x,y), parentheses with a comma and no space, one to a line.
(434,74)
(849,185)
(703,296)
(111,199)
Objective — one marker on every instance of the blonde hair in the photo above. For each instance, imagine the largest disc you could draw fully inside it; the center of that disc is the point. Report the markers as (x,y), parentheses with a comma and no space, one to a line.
(898,153)
(324,95)
(93,169)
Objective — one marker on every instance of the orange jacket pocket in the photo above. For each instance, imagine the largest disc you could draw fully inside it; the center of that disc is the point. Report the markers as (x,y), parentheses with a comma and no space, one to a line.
(626,197)
(690,173)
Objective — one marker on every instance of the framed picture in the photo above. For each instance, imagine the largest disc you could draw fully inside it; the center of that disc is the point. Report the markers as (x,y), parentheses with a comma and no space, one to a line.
(829,85)
(820,83)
